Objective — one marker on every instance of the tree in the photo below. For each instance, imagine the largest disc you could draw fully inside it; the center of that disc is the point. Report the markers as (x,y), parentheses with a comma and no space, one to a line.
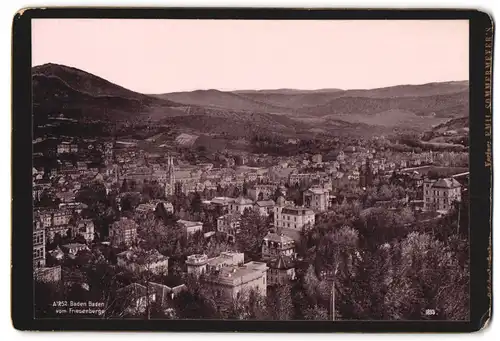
(92,193)
(280,305)
(277,194)
(426,275)
(48,199)
(130,201)
(245,189)
(316,313)
(196,203)
(125,187)
(253,229)
(338,250)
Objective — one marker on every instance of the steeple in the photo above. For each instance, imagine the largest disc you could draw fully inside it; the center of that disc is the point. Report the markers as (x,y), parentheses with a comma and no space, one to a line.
(170,183)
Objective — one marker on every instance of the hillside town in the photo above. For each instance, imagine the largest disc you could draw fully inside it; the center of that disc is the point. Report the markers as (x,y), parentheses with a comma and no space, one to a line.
(359,232)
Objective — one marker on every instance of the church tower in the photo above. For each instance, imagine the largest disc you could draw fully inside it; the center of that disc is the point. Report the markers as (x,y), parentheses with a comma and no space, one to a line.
(170,184)
(366,176)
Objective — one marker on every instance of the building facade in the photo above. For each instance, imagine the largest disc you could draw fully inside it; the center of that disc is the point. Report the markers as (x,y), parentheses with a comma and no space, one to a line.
(275,245)
(229,224)
(265,208)
(38,245)
(233,282)
(190,227)
(292,217)
(317,199)
(240,204)
(281,271)
(138,261)
(123,231)
(439,195)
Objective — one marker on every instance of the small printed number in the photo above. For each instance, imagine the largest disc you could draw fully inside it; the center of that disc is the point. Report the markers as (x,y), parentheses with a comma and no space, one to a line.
(430,312)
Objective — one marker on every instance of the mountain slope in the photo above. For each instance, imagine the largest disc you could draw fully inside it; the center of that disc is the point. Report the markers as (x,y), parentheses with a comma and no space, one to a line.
(220,99)
(434,105)
(58,89)
(93,85)
(298,99)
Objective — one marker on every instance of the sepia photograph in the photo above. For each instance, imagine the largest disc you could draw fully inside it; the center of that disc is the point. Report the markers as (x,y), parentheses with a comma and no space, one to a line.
(266,170)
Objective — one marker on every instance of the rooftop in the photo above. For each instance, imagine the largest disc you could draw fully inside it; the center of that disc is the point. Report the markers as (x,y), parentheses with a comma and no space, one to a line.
(124,223)
(237,275)
(222,200)
(446,183)
(278,238)
(142,256)
(227,258)
(282,263)
(265,203)
(187,223)
(74,246)
(297,211)
(197,259)
(317,190)
(243,201)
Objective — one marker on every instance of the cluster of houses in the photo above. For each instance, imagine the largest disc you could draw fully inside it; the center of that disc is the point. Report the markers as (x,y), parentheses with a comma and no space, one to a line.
(230,277)
(266,189)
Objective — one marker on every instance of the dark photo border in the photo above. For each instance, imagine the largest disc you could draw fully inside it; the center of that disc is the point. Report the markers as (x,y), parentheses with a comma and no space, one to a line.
(480,53)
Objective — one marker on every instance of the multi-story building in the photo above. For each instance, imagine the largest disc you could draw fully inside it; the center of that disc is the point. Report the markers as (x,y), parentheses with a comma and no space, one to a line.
(55,221)
(221,203)
(234,281)
(123,231)
(55,217)
(240,205)
(199,264)
(67,147)
(439,195)
(281,270)
(265,207)
(229,224)
(138,261)
(317,199)
(262,192)
(292,217)
(62,230)
(63,147)
(190,227)
(298,178)
(275,245)
(38,244)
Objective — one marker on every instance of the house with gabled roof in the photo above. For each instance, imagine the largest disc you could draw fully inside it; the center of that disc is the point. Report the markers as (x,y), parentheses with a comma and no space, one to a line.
(439,195)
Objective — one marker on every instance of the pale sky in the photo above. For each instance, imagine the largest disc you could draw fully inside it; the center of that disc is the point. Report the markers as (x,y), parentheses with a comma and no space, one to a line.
(160,55)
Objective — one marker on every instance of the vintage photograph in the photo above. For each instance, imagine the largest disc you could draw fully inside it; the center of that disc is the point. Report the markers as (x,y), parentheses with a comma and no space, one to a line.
(251,169)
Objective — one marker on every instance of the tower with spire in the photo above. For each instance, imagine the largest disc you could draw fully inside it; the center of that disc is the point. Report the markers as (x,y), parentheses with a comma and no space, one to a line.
(170,184)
